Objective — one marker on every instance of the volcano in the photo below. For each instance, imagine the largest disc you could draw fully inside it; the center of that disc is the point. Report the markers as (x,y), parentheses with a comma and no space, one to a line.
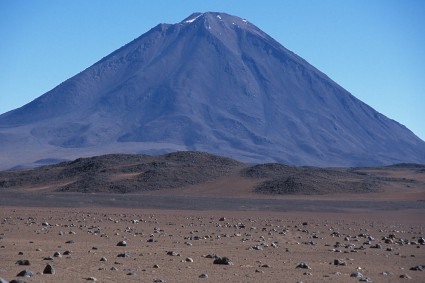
(212,82)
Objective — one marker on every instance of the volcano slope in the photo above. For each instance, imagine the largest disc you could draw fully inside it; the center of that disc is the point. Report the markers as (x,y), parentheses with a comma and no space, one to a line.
(212,82)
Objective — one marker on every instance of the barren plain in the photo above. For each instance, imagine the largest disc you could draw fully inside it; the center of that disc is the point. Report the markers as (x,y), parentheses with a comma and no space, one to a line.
(225,227)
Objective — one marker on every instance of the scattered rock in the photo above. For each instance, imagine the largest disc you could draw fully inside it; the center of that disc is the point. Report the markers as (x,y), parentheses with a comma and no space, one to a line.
(257,248)
(303,265)
(49,270)
(91,279)
(203,276)
(339,262)
(223,260)
(391,252)
(356,274)
(122,244)
(23,262)
(25,273)
(418,268)
(171,253)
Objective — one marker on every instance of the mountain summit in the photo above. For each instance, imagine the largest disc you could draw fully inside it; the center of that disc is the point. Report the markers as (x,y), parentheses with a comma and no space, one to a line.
(212,82)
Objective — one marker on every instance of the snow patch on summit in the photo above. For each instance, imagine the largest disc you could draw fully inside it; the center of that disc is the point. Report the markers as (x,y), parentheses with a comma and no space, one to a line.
(193,19)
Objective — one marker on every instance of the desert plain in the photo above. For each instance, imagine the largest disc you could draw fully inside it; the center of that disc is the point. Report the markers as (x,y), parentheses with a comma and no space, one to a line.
(220,230)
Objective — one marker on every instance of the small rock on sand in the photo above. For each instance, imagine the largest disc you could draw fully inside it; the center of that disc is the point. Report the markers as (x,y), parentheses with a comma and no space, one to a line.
(49,269)
(418,268)
(23,262)
(222,260)
(25,273)
(303,265)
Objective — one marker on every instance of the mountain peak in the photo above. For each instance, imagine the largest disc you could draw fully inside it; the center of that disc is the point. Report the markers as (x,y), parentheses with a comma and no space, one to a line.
(213,18)
(211,15)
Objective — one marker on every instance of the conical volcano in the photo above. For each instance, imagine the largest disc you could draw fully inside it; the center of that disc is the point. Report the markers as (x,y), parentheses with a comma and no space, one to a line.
(212,82)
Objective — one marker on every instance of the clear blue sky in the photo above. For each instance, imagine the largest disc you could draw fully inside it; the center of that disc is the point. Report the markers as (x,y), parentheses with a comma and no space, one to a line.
(374,49)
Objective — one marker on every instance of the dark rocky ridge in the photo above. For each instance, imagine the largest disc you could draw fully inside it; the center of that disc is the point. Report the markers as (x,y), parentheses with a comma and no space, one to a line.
(283,179)
(124,173)
(140,173)
(215,83)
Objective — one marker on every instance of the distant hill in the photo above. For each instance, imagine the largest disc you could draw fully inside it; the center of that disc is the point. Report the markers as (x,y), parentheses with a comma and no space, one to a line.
(125,173)
(212,82)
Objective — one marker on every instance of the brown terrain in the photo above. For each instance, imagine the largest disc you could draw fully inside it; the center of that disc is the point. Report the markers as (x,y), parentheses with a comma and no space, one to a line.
(193,217)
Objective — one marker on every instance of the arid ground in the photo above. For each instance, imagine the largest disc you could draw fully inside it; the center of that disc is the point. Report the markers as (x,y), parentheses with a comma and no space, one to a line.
(223,229)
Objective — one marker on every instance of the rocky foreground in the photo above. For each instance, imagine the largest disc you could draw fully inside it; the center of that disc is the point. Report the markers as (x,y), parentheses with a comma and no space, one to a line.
(116,245)
(194,217)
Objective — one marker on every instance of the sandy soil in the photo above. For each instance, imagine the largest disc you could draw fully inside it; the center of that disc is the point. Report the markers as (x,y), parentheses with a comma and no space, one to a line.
(263,246)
